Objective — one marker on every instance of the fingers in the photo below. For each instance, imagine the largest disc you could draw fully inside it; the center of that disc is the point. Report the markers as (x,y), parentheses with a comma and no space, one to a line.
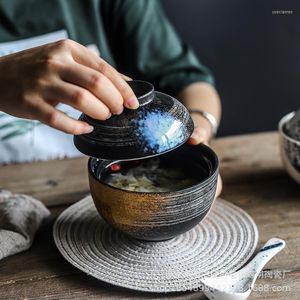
(219,186)
(130,100)
(95,82)
(86,57)
(57,119)
(198,136)
(78,98)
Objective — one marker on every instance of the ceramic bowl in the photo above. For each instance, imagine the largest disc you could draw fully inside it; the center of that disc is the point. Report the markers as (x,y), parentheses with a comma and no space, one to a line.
(160,124)
(163,215)
(289,148)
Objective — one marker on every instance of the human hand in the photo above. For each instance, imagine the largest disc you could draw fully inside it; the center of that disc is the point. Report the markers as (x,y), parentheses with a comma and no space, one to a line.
(202,130)
(34,81)
(202,134)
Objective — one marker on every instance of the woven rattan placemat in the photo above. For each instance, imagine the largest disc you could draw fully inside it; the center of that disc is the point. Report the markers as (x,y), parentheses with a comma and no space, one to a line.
(221,243)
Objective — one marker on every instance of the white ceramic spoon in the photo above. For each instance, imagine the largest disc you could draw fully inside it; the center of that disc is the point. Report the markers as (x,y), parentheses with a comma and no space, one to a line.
(238,286)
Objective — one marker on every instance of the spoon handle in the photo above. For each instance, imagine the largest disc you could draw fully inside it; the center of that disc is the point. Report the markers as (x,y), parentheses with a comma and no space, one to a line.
(268,251)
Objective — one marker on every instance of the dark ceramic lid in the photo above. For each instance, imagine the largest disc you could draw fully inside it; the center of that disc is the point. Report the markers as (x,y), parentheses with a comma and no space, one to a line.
(160,124)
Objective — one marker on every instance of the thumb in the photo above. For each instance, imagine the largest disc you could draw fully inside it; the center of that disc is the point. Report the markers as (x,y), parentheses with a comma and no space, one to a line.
(198,136)
(219,187)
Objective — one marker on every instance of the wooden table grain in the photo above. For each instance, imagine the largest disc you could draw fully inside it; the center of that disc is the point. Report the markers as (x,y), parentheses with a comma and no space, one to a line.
(254,179)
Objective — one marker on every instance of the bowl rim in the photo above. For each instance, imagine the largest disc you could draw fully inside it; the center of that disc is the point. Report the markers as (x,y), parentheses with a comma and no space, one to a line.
(281,124)
(214,172)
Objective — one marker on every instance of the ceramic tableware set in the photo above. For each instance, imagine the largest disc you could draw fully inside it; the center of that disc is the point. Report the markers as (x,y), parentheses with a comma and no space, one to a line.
(157,241)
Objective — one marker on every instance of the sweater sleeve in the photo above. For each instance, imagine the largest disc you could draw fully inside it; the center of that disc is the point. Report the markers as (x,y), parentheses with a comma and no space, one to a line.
(146,46)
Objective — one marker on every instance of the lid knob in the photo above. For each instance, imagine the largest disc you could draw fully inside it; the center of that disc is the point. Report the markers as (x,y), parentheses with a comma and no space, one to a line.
(143,90)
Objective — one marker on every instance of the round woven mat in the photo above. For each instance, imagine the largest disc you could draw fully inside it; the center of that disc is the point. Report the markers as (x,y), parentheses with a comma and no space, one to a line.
(220,244)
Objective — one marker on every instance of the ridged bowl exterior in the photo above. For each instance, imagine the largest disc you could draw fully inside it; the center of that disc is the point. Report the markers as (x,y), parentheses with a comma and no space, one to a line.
(289,149)
(157,216)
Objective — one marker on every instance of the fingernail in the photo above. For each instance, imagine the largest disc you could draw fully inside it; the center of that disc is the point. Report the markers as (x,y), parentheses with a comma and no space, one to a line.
(127,78)
(88,129)
(133,103)
(120,111)
(109,115)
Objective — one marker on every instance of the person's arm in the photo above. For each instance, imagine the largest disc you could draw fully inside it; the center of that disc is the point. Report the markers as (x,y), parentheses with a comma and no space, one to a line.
(146,46)
(201,96)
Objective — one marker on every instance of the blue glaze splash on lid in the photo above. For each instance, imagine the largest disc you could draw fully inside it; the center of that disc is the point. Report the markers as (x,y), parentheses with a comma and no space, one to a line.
(159,131)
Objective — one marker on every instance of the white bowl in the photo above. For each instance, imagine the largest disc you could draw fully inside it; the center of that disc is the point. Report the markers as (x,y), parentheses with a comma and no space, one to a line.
(289,149)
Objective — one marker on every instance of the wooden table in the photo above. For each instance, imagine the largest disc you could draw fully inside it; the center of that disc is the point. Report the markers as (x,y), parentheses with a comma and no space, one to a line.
(254,179)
